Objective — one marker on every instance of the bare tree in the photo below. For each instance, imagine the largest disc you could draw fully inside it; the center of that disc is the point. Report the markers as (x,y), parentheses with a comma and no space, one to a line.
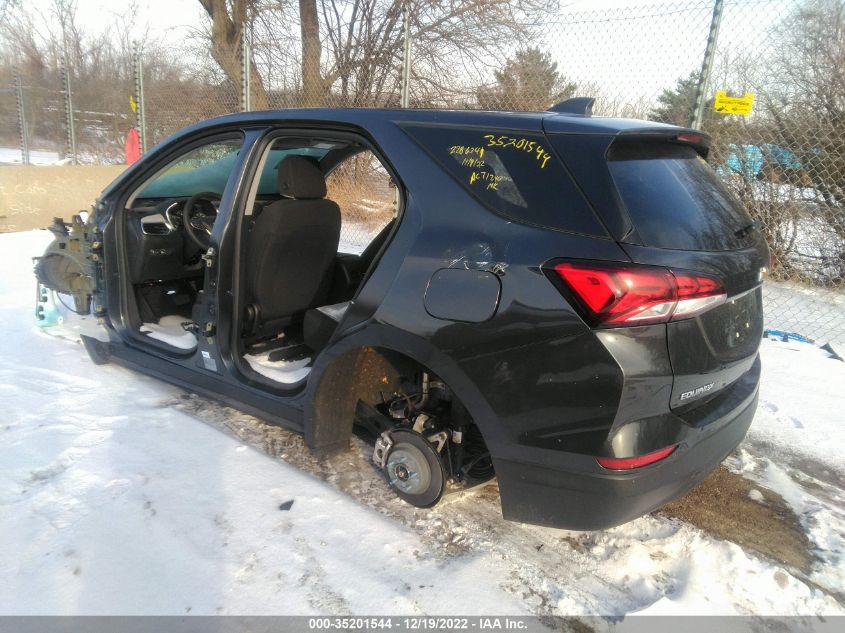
(356,59)
(39,39)
(313,84)
(229,20)
(807,104)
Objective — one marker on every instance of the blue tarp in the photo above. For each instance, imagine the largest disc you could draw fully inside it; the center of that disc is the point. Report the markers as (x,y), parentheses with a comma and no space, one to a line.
(748,160)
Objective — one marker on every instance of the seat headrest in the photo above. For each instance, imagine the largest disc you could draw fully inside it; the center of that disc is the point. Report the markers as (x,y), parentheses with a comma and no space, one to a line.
(300,177)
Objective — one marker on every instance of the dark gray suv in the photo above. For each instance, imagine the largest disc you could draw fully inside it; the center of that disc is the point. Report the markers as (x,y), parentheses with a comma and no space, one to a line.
(568,303)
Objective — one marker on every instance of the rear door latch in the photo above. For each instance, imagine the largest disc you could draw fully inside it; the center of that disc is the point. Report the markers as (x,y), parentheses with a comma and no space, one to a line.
(209,256)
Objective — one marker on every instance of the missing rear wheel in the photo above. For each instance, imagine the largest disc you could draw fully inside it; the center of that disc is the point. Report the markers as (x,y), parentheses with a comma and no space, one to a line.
(414,469)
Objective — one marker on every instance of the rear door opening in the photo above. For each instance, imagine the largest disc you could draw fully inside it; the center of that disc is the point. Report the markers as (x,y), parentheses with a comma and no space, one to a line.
(319,211)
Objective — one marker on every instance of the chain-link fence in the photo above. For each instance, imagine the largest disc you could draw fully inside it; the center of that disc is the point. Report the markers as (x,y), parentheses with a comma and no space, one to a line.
(364,191)
(9,126)
(647,59)
(39,114)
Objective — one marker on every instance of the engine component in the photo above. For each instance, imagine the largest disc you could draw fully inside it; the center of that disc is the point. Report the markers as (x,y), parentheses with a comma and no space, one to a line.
(414,469)
(67,266)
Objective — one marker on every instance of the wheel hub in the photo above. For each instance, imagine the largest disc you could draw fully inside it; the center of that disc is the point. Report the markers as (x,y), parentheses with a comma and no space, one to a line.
(408,469)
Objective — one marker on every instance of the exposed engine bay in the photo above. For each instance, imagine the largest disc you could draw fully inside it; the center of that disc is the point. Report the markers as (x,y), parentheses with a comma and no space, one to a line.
(425,441)
(67,266)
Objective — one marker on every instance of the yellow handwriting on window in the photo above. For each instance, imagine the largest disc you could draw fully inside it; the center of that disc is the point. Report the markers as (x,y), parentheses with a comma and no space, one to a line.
(519,144)
(473,162)
(491,181)
(464,150)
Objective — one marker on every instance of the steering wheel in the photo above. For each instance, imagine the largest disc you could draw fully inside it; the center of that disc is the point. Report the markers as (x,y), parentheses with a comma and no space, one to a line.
(196,218)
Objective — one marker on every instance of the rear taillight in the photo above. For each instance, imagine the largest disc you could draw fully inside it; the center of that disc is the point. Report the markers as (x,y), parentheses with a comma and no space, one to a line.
(628,463)
(613,294)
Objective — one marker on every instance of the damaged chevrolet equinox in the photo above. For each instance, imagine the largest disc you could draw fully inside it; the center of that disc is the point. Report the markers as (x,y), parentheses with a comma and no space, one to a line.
(568,303)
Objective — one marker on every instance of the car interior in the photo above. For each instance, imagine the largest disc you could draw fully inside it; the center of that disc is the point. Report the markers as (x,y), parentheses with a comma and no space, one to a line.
(318,214)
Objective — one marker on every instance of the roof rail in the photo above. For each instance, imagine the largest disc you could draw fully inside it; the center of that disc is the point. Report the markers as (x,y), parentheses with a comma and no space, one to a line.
(575,105)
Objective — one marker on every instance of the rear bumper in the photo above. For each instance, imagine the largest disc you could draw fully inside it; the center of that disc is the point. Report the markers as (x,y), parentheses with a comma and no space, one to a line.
(569,491)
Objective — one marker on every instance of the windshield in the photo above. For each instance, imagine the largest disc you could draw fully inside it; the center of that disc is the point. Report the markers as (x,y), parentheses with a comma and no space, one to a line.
(205,168)
(208,168)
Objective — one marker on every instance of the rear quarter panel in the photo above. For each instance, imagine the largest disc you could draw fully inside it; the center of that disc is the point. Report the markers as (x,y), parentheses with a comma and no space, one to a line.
(536,364)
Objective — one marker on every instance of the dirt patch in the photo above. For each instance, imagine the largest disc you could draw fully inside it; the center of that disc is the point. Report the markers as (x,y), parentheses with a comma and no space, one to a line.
(724,506)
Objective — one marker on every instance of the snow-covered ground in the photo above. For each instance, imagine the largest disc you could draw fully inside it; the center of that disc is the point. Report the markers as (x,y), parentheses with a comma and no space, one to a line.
(817,313)
(103,156)
(13,156)
(122,495)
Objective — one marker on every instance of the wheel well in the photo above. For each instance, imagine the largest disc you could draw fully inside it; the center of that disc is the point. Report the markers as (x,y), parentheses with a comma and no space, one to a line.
(370,374)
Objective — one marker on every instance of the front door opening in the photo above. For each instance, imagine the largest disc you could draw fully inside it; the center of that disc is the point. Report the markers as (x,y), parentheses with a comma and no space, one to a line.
(168,223)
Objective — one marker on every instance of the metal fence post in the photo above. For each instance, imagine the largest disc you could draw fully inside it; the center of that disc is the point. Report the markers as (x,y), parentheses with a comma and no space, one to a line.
(140,108)
(246,59)
(404,95)
(69,125)
(24,133)
(707,65)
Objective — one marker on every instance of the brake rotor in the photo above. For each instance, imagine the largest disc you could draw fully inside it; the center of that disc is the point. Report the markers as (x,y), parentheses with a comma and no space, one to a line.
(414,469)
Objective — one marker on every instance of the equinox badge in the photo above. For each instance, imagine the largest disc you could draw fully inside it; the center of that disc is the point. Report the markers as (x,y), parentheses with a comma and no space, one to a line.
(692,393)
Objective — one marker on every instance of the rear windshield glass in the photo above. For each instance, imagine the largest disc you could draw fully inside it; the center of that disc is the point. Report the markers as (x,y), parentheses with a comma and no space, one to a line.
(513,173)
(675,199)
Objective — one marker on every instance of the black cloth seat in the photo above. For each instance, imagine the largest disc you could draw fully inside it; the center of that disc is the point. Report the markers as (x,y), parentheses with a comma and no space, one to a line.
(291,249)
(320,323)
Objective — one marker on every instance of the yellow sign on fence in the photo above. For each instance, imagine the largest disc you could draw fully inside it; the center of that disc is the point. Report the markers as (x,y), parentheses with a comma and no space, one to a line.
(733,105)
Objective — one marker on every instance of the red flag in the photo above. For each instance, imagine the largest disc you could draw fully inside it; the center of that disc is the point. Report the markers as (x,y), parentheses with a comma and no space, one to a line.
(133,146)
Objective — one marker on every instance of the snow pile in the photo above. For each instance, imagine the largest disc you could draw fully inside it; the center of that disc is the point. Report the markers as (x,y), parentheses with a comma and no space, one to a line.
(114,502)
(13,156)
(823,522)
(684,572)
(285,372)
(169,330)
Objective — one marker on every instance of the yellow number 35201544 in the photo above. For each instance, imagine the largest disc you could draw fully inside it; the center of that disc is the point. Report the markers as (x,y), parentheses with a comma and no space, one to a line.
(521,144)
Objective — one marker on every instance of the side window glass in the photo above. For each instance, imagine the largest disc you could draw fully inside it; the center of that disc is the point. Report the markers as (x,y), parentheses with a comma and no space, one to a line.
(205,168)
(366,195)
(515,174)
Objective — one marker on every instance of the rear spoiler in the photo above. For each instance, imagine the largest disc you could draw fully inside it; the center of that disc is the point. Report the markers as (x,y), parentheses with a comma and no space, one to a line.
(575,105)
(625,128)
(696,139)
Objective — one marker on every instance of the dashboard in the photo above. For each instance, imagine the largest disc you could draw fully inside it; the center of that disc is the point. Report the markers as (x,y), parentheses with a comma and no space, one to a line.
(168,215)
(158,247)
